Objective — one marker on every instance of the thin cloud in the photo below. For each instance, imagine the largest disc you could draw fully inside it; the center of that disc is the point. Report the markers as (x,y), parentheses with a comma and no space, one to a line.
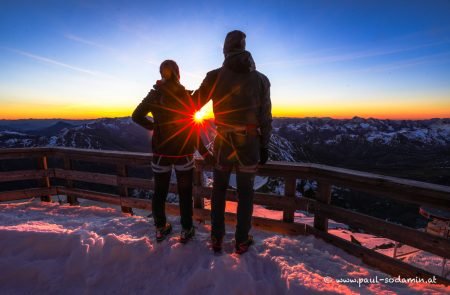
(87,42)
(434,58)
(58,63)
(350,56)
(141,32)
(120,56)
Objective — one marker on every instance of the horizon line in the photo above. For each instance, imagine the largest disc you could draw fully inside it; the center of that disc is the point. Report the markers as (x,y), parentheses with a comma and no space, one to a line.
(274,117)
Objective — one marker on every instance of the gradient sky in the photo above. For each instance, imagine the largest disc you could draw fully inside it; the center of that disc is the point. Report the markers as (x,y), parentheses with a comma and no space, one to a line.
(89,59)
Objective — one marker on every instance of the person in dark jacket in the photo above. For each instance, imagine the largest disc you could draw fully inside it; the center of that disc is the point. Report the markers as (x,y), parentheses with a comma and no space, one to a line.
(242,111)
(174,141)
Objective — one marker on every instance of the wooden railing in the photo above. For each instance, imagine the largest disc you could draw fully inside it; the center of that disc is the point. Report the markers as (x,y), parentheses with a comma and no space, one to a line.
(401,190)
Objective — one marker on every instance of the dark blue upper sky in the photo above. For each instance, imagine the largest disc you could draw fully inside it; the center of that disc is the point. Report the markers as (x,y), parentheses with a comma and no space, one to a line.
(334,58)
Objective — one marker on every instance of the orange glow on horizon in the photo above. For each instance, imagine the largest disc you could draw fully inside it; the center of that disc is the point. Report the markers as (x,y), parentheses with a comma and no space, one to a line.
(387,110)
(417,110)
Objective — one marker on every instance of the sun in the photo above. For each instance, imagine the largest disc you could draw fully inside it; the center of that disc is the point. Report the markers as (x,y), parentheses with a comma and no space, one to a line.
(199,116)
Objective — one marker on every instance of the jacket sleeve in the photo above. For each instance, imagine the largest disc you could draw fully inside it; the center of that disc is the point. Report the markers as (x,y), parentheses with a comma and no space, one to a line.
(265,114)
(204,93)
(139,115)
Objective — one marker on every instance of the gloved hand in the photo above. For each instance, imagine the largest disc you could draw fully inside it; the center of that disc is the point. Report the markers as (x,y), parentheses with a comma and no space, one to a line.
(263,156)
(149,125)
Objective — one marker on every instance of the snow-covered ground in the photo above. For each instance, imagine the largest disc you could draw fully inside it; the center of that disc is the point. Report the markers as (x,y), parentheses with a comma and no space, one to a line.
(47,248)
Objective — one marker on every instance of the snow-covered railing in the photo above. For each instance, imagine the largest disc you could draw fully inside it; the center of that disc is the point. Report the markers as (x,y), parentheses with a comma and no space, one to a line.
(62,179)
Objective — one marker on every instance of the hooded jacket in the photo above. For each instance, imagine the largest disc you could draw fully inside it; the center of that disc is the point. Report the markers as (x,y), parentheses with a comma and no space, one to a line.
(174,133)
(240,94)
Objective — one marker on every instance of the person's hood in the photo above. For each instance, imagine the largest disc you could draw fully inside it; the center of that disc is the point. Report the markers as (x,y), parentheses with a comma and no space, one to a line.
(240,61)
(170,87)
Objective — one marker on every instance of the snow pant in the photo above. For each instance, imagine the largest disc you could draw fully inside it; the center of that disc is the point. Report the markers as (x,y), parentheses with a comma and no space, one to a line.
(184,170)
(239,150)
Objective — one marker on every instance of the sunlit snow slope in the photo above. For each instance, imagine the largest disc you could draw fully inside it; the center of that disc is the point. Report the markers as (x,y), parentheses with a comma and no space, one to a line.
(47,248)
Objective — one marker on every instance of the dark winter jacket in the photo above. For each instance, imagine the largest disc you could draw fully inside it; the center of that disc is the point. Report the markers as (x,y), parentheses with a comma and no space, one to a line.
(172,110)
(240,94)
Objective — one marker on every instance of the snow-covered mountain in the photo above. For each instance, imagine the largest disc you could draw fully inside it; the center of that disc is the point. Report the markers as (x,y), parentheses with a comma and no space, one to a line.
(121,133)
(416,149)
(281,149)
(106,134)
(12,139)
(327,131)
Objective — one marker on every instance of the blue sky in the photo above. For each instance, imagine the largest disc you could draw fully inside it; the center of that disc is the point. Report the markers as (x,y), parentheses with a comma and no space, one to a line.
(324,58)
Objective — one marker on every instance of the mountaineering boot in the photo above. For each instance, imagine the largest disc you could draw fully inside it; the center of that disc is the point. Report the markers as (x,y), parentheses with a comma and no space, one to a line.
(242,247)
(163,232)
(186,235)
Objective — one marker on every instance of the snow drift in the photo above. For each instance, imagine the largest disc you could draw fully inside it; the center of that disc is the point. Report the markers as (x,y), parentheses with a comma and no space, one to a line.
(47,248)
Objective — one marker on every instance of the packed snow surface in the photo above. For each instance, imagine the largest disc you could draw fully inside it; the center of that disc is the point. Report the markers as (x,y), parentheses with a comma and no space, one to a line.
(47,248)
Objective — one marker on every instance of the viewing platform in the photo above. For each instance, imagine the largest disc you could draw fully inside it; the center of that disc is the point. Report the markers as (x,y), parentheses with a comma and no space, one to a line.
(111,175)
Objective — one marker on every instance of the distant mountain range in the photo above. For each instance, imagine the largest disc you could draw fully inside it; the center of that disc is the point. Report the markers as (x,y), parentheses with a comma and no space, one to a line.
(417,149)
(36,124)
(106,133)
(386,132)
(312,130)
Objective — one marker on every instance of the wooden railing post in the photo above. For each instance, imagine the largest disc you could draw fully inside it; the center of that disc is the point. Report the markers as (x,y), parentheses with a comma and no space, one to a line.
(290,187)
(198,183)
(44,182)
(323,196)
(71,199)
(123,190)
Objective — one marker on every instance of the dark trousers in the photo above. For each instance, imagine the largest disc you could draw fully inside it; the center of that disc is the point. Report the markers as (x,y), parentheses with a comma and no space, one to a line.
(240,150)
(245,203)
(184,184)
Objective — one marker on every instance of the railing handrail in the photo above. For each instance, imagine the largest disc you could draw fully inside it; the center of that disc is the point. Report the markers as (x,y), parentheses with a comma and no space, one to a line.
(419,192)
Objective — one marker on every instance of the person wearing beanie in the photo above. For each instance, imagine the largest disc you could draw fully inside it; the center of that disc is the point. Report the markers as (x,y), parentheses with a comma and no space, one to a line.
(174,141)
(234,41)
(243,118)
